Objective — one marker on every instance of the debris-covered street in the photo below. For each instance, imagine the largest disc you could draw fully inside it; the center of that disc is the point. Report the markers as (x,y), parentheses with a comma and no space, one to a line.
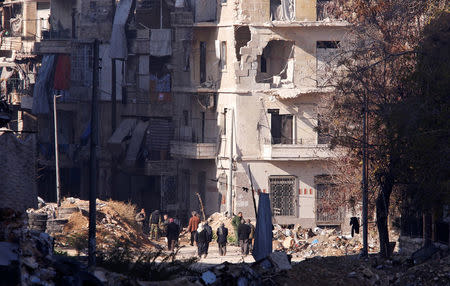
(219,142)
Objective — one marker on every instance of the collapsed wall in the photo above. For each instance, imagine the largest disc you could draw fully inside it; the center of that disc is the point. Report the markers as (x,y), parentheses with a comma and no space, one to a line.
(17,171)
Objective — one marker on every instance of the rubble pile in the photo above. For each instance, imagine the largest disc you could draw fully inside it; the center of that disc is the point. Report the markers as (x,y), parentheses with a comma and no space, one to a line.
(26,256)
(69,224)
(216,219)
(306,243)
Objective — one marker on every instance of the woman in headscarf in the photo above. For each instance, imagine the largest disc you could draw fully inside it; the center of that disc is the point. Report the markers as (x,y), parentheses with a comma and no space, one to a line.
(202,240)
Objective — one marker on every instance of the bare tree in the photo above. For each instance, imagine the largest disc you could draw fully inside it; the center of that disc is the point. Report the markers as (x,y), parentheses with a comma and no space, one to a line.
(379,53)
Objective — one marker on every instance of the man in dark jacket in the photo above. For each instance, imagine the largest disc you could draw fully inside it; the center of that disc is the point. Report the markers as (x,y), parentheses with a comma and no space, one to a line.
(154,221)
(222,233)
(173,231)
(243,235)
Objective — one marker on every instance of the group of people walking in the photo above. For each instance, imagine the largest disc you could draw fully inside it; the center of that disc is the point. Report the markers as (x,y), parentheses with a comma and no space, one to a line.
(161,226)
(200,232)
(245,232)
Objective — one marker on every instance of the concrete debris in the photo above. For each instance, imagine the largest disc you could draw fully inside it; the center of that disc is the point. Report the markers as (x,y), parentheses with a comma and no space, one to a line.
(69,224)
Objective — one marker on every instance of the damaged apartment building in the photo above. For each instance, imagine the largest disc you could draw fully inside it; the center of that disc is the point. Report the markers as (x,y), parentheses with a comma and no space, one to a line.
(193,94)
(246,95)
(22,24)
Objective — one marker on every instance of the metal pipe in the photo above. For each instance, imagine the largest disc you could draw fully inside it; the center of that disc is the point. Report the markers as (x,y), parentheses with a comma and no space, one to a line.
(58,183)
(93,160)
(230,171)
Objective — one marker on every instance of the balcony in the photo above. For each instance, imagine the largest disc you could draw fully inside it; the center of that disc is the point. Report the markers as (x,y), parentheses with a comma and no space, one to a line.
(161,167)
(11,44)
(302,150)
(192,150)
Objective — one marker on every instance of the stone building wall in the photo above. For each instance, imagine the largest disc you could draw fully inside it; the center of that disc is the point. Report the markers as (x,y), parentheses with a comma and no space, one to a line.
(17,172)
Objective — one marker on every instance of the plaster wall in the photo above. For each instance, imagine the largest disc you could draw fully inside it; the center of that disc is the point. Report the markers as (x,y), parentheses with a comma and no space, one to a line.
(304,38)
(220,78)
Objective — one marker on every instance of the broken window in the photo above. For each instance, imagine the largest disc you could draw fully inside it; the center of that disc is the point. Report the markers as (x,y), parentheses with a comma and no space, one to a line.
(277,64)
(242,36)
(282,10)
(223,55)
(202,62)
(328,201)
(281,127)
(327,60)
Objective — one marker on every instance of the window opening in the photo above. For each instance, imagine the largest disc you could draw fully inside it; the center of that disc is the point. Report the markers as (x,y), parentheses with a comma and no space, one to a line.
(185,117)
(282,10)
(202,62)
(282,195)
(277,64)
(328,201)
(327,61)
(203,127)
(242,36)
(281,127)
(223,55)
(224,121)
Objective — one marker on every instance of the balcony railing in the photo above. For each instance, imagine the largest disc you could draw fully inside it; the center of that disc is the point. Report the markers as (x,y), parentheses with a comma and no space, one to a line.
(301,150)
(193,150)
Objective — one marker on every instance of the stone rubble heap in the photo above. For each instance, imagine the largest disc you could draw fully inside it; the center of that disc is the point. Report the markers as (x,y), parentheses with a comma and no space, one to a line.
(69,224)
(27,256)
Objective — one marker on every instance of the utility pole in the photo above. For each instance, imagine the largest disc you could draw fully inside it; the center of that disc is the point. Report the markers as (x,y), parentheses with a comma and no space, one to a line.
(230,170)
(365,178)
(113,95)
(58,183)
(93,159)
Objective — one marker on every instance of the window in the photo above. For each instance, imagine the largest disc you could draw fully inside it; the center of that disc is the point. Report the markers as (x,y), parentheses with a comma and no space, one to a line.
(277,63)
(323,131)
(281,127)
(185,118)
(202,62)
(223,55)
(283,195)
(224,121)
(327,61)
(328,201)
(81,64)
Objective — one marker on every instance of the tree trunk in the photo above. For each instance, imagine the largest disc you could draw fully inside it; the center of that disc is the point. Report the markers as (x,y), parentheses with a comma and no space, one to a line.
(382,204)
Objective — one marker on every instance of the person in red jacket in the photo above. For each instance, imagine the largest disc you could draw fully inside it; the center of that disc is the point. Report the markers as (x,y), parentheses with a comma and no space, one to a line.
(192,227)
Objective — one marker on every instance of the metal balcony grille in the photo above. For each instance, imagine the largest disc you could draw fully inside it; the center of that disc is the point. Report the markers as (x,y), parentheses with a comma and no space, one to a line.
(282,195)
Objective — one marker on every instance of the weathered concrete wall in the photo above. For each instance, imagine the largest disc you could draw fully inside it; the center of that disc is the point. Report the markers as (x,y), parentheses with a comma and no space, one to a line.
(305,10)
(96,18)
(18,172)
(61,16)
(254,12)
(29,13)
(304,52)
